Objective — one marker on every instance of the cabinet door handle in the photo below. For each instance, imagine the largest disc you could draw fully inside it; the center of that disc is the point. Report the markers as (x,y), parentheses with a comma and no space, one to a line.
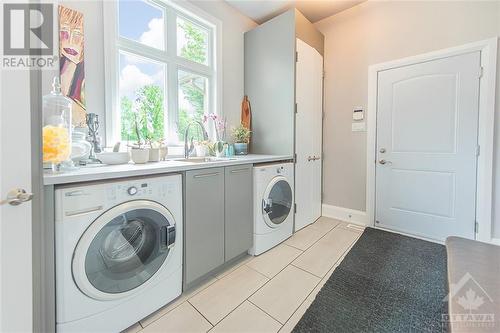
(83,211)
(213,174)
(239,170)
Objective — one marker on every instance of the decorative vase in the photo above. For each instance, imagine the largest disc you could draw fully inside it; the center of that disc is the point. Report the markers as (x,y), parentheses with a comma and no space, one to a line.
(240,148)
(140,155)
(57,127)
(219,148)
(154,154)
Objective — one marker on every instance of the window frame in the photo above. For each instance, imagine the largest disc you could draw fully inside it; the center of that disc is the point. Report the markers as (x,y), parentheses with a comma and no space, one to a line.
(114,44)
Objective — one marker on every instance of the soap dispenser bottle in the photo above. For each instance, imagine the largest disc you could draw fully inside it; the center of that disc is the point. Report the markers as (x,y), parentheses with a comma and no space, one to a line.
(56,130)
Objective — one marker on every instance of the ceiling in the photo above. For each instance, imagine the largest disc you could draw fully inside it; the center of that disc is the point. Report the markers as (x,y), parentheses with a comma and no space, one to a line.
(262,10)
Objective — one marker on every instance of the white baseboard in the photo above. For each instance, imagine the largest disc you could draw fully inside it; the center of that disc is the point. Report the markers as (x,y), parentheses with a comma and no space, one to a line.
(345,214)
(495,241)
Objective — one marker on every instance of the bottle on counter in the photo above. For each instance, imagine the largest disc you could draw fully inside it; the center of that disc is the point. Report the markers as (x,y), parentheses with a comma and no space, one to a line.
(56,131)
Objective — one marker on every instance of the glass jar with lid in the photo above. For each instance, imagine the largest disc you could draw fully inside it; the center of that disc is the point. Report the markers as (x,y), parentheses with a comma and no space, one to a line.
(56,130)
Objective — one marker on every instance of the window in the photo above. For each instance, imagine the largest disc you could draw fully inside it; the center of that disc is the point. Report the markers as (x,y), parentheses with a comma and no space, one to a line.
(161,70)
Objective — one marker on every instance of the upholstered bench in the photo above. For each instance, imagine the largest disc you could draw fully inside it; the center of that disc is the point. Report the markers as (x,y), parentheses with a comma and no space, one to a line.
(474,285)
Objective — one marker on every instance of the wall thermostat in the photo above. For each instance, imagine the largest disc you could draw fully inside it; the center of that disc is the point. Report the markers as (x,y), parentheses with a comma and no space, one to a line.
(358,114)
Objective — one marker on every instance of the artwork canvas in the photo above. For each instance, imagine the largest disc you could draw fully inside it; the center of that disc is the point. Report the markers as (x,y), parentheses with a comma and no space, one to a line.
(71,61)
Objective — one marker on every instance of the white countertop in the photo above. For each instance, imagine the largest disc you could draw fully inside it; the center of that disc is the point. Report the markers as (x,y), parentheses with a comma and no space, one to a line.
(102,171)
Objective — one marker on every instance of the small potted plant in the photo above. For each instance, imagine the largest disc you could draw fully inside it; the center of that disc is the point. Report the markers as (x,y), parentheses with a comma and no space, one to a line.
(154,151)
(241,136)
(220,133)
(139,152)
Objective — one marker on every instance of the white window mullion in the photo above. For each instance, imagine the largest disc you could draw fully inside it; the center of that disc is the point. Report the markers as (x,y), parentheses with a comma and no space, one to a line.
(173,113)
(173,104)
(112,76)
(143,51)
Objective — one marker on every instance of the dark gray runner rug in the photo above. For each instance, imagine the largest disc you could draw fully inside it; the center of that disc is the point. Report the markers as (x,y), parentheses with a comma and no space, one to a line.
(386,283)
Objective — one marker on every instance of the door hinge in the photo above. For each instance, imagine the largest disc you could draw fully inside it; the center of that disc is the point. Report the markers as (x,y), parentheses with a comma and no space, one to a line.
(481,69)
(478,150)
(296,56)
(295,158)
(324,74)
(476,227)
(296,108)
(295,208)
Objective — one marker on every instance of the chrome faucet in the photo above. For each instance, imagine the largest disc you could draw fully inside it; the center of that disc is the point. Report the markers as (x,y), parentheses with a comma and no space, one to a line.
(188,150)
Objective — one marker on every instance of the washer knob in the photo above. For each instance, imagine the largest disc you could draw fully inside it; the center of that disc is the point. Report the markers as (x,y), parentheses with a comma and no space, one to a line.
(132,190)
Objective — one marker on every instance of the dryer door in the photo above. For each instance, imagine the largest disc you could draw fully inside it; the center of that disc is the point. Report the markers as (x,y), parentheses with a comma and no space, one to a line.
(277,202)
(123,249)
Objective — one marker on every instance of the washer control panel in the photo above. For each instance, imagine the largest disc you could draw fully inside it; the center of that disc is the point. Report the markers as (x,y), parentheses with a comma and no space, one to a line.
(138,189)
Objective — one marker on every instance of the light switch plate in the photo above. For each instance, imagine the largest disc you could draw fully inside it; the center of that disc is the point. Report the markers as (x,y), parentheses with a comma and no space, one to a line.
(358,127)
(358,114)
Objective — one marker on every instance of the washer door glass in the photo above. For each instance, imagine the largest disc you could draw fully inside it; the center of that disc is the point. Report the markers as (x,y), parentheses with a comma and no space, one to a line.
(277,202)
(128,250)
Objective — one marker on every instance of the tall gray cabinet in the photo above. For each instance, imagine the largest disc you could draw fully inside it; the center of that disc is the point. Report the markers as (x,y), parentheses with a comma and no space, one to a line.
(284,82)
(270,55)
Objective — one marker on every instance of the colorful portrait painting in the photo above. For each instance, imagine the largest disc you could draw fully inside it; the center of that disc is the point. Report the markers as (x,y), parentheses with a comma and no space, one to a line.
(71,61)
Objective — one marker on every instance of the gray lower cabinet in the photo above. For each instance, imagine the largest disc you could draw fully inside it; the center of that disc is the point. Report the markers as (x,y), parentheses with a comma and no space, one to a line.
(218,218)
(203,222)
(238,236)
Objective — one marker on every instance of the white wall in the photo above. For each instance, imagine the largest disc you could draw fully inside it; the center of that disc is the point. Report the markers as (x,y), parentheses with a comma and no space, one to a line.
(94,57)
(375,32)
(234,25)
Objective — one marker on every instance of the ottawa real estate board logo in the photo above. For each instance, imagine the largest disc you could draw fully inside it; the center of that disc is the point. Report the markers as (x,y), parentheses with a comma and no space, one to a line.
(473,308)
(28,36)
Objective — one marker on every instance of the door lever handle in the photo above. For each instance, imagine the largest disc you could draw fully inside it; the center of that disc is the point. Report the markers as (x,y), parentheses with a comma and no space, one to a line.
(384,162)
(16,197)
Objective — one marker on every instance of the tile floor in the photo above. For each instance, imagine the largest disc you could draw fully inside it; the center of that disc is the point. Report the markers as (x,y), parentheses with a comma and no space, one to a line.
(268,293)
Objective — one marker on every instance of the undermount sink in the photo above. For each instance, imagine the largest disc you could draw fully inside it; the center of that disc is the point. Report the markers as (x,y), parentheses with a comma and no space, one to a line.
(205,159)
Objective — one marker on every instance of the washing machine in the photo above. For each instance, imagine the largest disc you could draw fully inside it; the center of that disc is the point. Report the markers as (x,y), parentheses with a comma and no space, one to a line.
(273,205)
(118,251)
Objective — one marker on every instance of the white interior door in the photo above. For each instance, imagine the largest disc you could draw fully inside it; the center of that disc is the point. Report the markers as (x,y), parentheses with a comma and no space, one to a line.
(308,134)
(427,119)
(15,220)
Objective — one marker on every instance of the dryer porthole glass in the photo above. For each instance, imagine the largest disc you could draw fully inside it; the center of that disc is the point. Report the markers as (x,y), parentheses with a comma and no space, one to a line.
(127,251)
(278,203)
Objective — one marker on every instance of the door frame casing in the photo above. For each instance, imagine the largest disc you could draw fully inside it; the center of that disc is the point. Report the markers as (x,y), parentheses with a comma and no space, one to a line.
(484,186)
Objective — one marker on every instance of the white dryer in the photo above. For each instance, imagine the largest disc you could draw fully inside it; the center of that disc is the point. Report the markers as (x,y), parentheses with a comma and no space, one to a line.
(118,252)
(273,205)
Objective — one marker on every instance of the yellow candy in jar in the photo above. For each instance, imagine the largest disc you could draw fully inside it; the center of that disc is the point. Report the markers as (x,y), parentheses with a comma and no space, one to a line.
(56,144)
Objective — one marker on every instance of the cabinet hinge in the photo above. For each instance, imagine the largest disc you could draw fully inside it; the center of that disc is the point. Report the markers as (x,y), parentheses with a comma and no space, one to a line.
(478,150)
(296,108)
(481,69)
(295,208)
(295,158)
(476,227)
(296,56)
(324,74)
